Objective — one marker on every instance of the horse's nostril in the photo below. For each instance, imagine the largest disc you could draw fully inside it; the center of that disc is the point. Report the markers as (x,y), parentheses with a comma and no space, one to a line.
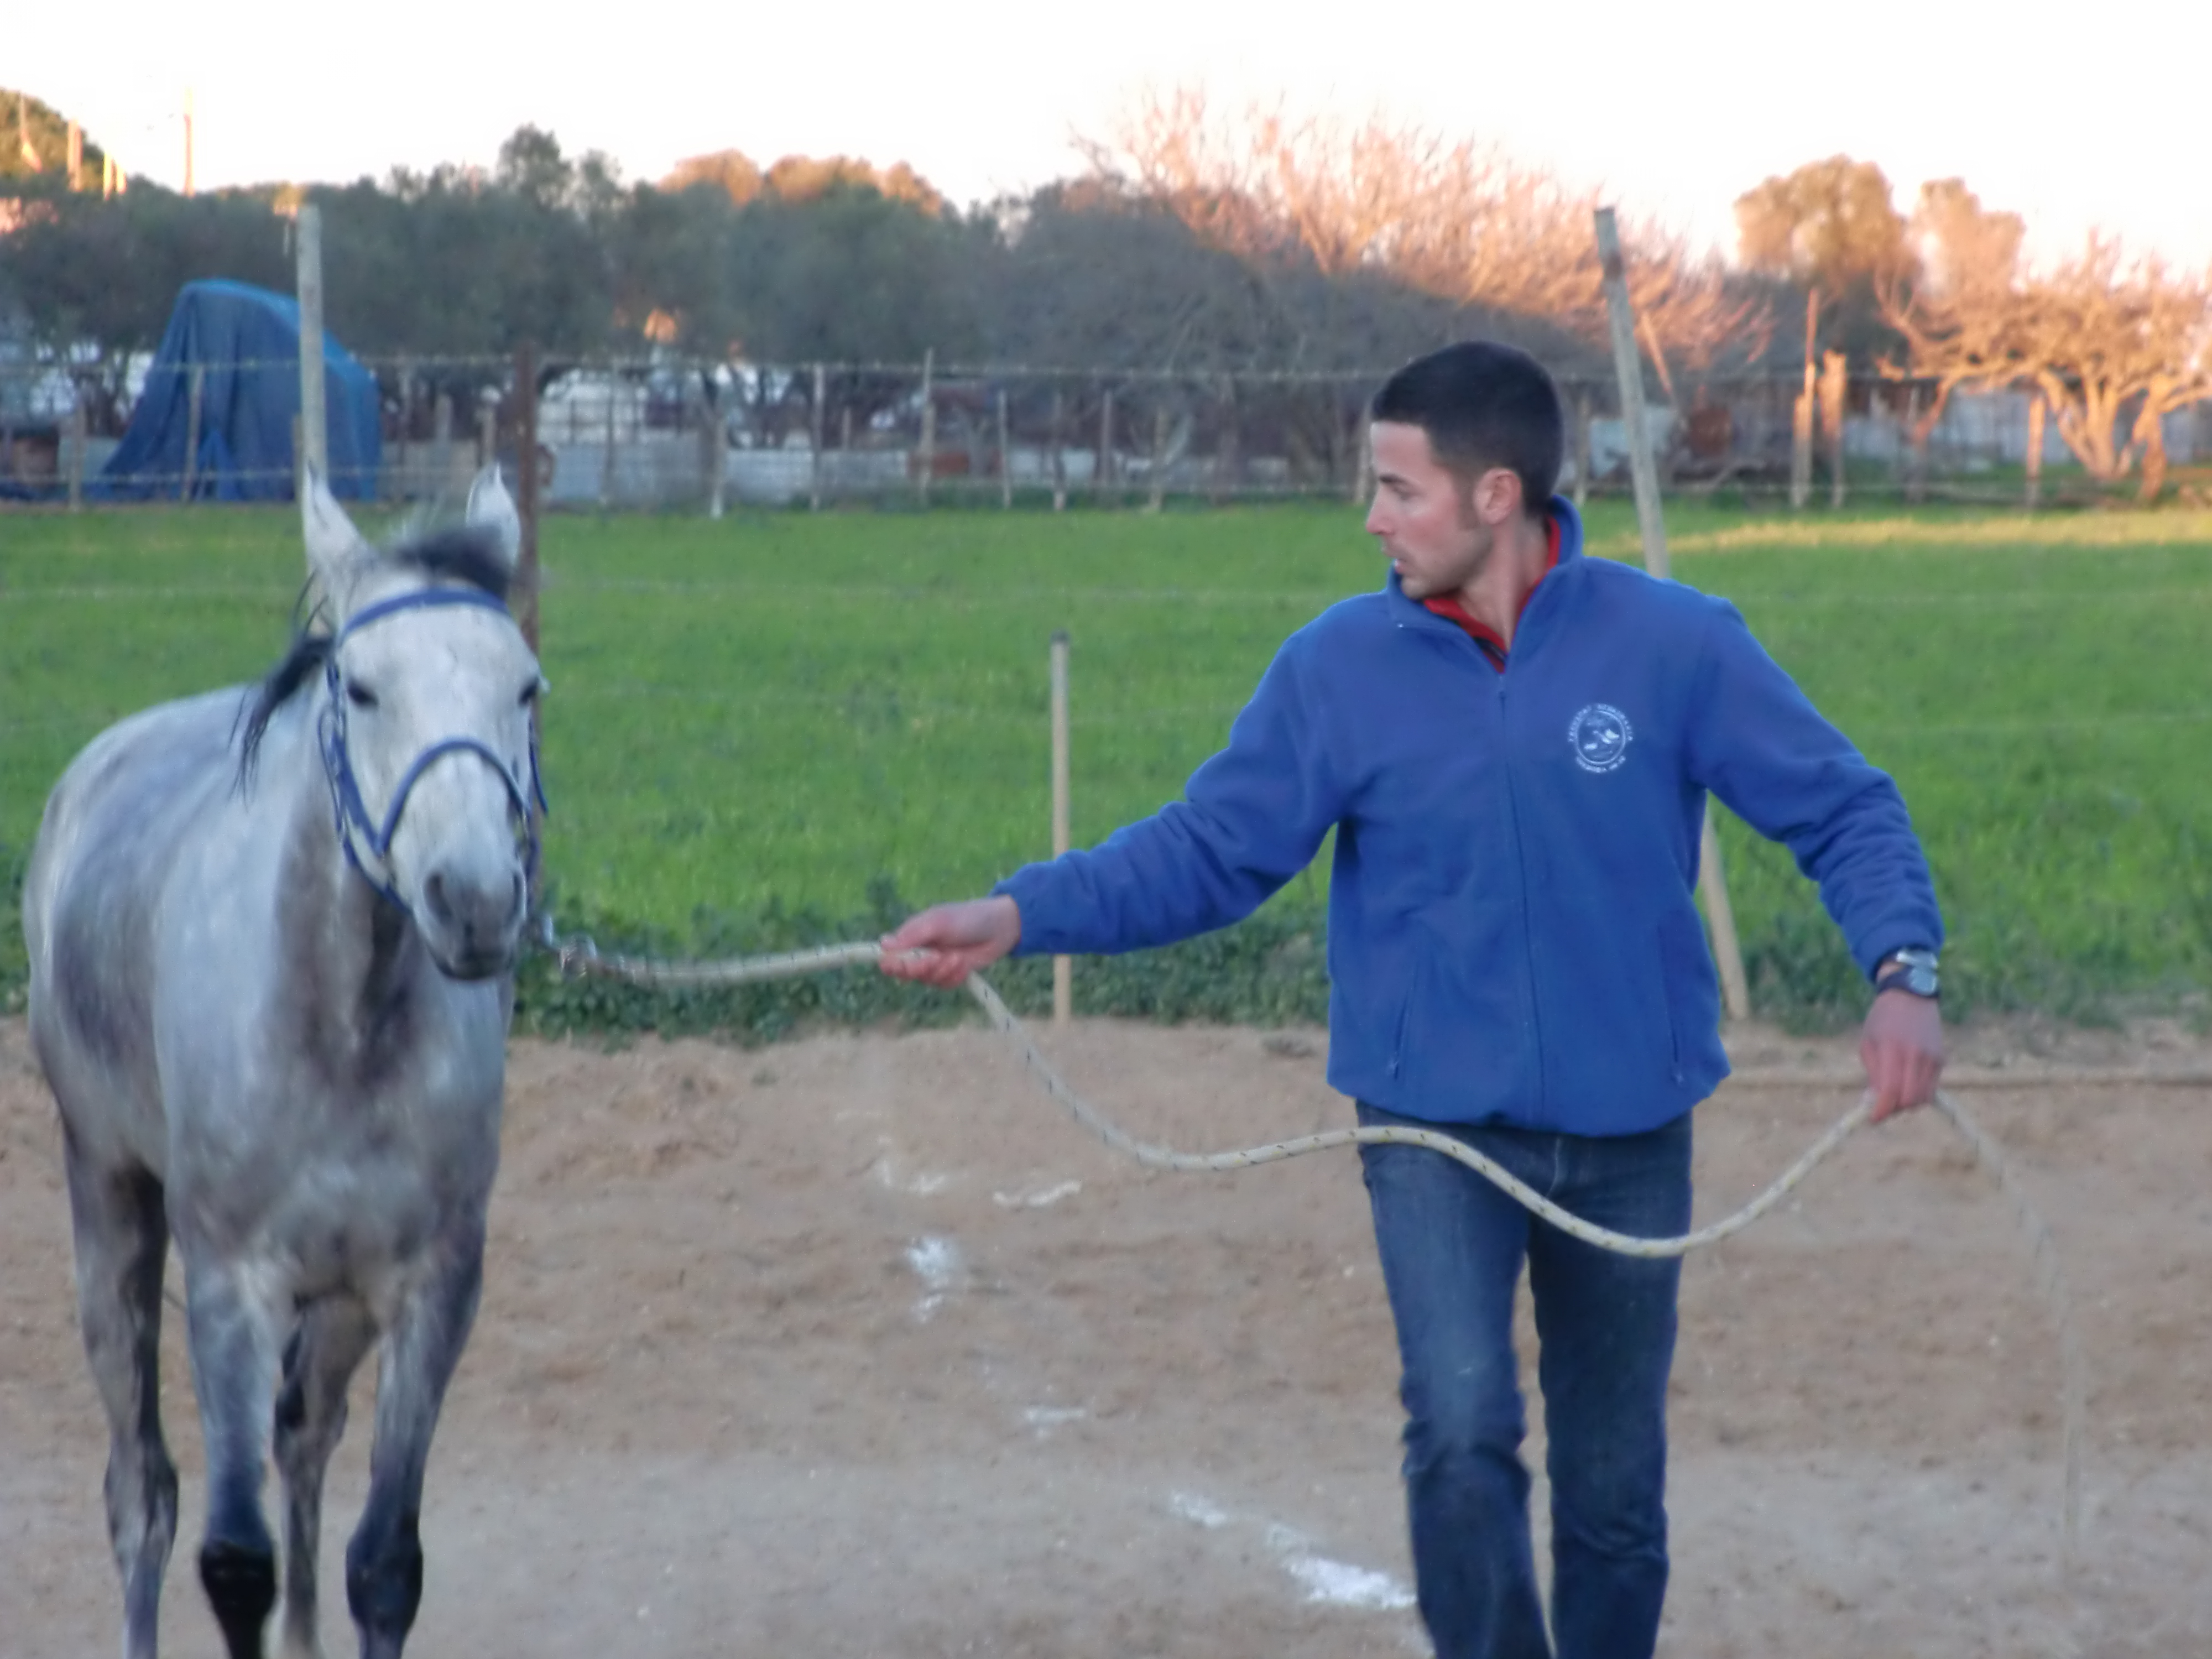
(434,895)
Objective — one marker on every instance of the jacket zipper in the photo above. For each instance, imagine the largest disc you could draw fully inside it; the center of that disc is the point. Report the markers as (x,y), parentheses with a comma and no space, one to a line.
(1537,1112)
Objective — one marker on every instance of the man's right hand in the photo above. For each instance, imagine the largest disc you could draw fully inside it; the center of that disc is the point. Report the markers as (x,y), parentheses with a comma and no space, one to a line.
(947,942)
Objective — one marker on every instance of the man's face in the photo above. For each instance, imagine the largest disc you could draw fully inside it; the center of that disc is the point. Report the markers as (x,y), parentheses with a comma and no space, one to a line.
(1422,516)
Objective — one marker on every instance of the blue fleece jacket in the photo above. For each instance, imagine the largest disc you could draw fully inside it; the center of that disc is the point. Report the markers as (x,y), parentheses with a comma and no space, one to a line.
(1512,936)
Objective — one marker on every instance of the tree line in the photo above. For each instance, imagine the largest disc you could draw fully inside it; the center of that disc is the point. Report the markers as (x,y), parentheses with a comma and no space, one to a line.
(804,261)
(2106,344)
(1195,241)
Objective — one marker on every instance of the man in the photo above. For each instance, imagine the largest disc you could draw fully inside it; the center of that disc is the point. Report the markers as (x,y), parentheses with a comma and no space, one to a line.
(1514,744)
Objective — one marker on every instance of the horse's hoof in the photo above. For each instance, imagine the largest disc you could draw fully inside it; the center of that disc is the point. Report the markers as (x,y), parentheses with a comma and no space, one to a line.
(242,1587)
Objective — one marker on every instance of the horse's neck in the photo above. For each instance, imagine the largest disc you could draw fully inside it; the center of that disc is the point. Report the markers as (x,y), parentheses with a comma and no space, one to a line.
(336,934)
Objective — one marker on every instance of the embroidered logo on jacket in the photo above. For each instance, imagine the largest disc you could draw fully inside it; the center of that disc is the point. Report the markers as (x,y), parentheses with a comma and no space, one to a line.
(1600,735)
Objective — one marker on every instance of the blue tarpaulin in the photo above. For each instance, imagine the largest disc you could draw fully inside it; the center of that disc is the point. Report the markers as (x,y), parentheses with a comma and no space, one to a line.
(244,342)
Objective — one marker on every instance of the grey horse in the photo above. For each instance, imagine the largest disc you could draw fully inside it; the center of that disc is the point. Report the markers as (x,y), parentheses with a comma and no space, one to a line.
(271,936)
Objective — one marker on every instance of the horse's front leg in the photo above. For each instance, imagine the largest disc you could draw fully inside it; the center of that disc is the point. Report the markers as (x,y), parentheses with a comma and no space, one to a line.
(234,1322)
(333,1334)
(422,1341)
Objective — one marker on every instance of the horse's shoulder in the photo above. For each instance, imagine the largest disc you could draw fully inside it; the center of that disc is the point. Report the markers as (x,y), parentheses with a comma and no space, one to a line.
(151,753)
(131,797)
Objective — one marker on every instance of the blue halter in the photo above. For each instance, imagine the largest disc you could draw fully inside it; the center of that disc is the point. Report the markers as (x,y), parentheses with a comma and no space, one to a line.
(367,844)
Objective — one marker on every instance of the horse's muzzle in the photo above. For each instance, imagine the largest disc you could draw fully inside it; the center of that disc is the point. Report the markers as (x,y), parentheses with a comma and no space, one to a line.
(472,927)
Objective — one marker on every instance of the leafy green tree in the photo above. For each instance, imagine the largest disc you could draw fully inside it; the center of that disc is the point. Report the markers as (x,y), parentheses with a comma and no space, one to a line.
(1832,227)
(853,275)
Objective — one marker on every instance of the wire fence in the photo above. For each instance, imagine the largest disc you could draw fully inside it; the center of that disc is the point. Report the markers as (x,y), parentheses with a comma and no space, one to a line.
(662,433)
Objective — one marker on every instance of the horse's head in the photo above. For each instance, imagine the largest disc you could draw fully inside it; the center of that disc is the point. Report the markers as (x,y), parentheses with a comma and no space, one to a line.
(426,723)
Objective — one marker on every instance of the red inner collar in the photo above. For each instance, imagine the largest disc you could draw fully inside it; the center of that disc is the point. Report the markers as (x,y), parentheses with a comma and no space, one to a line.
(1493,643)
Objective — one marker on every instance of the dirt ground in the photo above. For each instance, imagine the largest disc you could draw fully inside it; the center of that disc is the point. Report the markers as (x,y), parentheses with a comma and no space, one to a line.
(856,1347)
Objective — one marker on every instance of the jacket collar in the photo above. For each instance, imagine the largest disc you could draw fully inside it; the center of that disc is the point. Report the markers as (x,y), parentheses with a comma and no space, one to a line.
(1410,613)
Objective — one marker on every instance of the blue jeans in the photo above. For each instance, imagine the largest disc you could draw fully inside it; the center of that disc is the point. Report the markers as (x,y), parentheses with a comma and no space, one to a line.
(1451,1247)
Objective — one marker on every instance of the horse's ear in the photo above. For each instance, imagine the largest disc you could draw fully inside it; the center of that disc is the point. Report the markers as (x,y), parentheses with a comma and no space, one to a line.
(332,542)
(491,508)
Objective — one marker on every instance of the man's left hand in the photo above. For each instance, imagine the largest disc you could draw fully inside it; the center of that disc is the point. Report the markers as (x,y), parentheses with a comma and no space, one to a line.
(1901,1046)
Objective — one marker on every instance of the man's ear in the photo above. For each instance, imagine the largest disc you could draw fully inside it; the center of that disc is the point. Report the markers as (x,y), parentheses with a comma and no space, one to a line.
(1497,496)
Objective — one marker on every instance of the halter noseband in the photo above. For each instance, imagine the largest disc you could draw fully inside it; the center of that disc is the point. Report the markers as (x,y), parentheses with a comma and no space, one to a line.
(367,844)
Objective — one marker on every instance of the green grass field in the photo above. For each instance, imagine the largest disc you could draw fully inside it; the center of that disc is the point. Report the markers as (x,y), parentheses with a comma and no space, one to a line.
(786,713)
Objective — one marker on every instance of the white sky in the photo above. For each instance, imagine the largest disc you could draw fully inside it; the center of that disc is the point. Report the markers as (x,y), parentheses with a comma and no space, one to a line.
(1679,105)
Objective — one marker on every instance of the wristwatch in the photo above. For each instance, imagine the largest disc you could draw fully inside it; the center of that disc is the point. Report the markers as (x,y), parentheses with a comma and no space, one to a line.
(1911,971)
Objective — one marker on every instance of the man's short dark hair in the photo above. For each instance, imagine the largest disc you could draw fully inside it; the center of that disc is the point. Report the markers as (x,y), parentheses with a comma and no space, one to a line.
(1483,405)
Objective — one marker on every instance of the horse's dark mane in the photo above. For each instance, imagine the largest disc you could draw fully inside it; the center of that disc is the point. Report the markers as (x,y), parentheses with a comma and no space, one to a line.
(468,555)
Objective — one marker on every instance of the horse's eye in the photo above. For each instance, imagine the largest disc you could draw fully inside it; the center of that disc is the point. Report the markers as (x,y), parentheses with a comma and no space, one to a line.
(359,696)
(530,693)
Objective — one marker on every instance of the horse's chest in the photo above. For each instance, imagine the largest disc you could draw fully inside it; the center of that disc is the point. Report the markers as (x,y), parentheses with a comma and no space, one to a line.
(346,1201)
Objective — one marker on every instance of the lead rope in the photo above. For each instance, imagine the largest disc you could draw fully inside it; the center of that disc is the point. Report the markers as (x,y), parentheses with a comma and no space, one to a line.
(581,955)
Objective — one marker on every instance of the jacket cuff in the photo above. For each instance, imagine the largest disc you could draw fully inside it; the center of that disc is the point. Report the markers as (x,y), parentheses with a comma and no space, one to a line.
(1891,939)
(1027,892)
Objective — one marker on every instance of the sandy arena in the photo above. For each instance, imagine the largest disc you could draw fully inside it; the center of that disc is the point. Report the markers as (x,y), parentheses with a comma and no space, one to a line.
(857,1346)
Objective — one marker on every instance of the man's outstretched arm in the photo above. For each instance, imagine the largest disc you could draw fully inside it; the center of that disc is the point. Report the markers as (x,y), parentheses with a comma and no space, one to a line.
(945,944)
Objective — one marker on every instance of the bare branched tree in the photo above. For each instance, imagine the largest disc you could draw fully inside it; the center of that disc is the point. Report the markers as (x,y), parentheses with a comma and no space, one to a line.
(1462,220)
(2097,336)
(2109,332)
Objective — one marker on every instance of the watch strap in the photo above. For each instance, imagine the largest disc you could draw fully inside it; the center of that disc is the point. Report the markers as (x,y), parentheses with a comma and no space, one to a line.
(1902,977)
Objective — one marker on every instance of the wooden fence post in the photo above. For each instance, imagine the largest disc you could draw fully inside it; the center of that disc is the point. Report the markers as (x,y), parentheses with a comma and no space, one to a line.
(525,480)
(2036,414)
(1063,968)
(928,427)
(1801,446)
(1835,399)
(814,476)
(78,438)
(1712,885)
(1059,450)
(711,463)
(441,440)
(1227,463)
(195,404)
(525,561)
(1006,460)
(1916,454)
(1628,369)
(1104,470)
(607,454)
(1582,447)
(1801,429)
(313,424)
(1159,480)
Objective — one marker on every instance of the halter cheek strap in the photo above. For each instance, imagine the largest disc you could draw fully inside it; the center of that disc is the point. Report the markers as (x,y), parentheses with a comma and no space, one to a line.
(367,841)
